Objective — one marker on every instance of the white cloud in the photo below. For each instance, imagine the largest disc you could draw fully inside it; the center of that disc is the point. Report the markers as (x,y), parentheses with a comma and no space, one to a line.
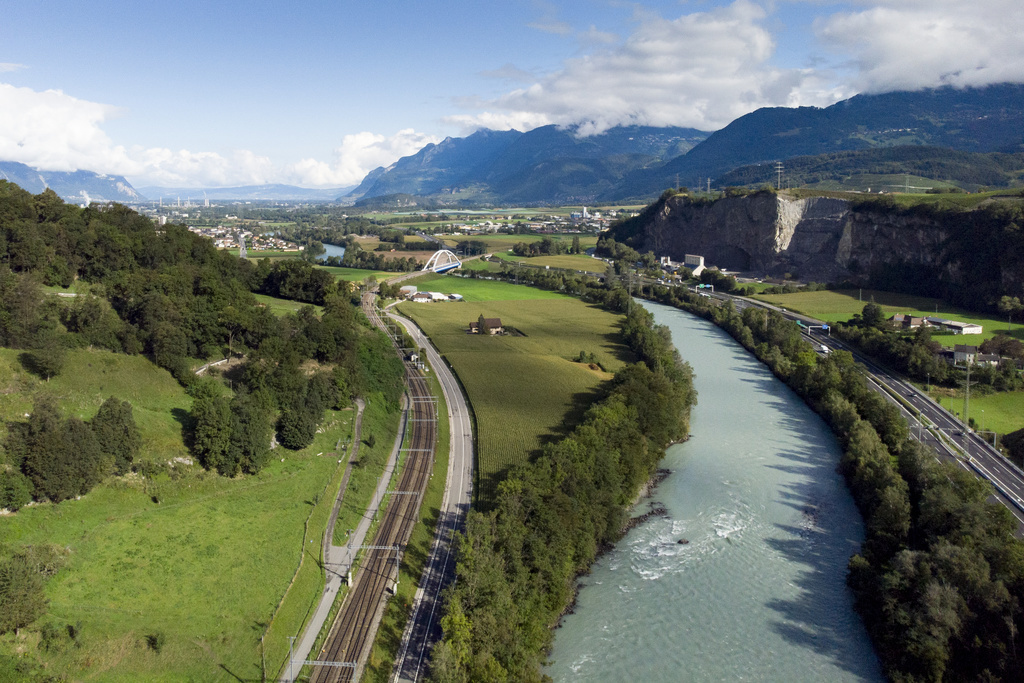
(912,44)
(6,67)
(57,132)
(518,120)
(358,155)
(703,70)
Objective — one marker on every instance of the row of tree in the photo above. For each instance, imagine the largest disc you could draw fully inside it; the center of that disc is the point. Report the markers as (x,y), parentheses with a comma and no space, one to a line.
(940,577)
(547,247)
(518,561)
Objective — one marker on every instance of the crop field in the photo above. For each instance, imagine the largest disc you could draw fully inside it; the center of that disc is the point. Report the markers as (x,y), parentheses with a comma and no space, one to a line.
(201,559)
(841,305)
(525,390)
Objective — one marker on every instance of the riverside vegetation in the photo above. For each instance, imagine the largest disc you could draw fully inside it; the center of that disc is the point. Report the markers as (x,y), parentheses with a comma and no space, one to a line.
(169,296)
(940,576)
(519,558)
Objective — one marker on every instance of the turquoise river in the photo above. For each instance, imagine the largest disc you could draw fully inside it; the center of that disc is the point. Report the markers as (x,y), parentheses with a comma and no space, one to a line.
(757,593)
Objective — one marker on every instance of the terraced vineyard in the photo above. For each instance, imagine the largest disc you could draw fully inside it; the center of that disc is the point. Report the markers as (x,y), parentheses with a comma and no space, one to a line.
(524,387)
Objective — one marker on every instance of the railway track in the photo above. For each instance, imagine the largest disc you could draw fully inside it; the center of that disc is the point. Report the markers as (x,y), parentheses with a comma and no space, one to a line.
(354,629)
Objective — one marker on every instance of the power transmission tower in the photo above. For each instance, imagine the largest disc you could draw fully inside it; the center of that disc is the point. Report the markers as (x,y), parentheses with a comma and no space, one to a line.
(778,170)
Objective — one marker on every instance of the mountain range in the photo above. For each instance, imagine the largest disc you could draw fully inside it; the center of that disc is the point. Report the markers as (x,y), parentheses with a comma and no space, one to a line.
(955,129)
(554,165)
(545,165)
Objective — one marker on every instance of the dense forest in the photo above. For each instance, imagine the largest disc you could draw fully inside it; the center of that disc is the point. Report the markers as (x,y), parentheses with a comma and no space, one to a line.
(518,560)
(940,576)
(169,294)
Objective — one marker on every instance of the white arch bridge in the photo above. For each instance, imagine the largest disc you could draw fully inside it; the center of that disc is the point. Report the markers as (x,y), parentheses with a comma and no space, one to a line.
(442,261)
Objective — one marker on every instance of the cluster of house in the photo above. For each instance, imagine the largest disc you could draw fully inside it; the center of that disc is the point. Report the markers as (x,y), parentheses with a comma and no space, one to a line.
(964,354)
(911,322)
(410,293)
(960,354)
(230,238)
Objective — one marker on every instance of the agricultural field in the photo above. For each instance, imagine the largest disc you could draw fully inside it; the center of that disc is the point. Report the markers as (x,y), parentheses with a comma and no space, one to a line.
(841,305)
(525,390)
(176,555)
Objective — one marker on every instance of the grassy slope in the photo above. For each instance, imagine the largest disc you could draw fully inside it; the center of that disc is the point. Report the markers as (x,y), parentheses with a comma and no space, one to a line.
(521,388)
(159,404)
(207,565)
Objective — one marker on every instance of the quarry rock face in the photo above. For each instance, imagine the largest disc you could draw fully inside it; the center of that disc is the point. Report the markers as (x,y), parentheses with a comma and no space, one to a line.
(815,238)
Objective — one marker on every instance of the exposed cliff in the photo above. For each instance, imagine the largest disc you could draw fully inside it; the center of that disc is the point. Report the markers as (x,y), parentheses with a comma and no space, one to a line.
(924,249)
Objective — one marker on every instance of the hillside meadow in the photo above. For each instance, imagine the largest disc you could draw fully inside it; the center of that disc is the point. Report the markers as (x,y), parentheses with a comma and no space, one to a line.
(525,388)
(202,561)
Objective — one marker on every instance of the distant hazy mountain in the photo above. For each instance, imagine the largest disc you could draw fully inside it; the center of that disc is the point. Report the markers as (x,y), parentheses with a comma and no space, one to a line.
(545,165)
(265,193)
(989,119)
(73,186)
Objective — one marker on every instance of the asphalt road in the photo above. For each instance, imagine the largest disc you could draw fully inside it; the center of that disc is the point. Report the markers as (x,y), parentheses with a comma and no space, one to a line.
(423,628)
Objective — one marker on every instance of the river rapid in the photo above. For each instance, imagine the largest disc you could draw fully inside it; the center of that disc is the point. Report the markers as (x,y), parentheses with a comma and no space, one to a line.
(758,591)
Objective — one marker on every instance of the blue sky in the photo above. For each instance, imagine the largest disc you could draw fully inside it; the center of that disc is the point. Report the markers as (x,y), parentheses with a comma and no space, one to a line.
(318,93)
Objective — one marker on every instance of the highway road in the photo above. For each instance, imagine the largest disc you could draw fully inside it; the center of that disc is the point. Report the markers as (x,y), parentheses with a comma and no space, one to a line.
(423,628)
(930,423)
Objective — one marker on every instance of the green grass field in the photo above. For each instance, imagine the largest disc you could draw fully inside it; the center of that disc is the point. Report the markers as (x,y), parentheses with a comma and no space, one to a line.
(477,290)
(356,274)
(202,559)
(282,306)
(567,261)
(523,388)
(1001,412)
(841,305)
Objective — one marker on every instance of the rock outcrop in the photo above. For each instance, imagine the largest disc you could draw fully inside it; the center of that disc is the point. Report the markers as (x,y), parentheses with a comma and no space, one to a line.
(816,238)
